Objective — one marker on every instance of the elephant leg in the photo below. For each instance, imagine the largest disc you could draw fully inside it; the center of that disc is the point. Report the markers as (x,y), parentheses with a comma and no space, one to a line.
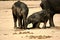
(15,21)
(51,22)
(24,22)
(37,25)
(34,25)
(44,26)
(19,22)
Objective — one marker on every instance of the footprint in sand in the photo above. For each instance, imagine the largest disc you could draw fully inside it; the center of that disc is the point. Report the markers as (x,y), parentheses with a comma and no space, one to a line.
(6,11)
(21,36)
(14,33)
(43,37)
(39,37)
(5,34)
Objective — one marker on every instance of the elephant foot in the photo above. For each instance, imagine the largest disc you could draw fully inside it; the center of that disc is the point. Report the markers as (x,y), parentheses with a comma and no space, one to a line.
(16,28)
(44,27)
(52,25)
(38,27)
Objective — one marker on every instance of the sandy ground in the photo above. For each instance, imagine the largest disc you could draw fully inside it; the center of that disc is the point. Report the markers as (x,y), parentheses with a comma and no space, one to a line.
(7,31)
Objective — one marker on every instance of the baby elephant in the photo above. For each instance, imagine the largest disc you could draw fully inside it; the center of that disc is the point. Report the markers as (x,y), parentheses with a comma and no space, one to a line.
(20,12)
(37,18)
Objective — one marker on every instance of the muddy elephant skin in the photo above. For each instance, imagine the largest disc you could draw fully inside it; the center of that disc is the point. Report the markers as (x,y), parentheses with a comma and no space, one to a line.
(19,12)
(38,17)
(53,6)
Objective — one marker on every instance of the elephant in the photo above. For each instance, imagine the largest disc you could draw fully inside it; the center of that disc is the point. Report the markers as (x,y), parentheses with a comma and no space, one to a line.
(37,18)
(20,11)
(53,6)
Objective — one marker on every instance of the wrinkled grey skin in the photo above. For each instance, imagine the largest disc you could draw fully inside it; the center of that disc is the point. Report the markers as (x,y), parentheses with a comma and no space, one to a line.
(53,6)
(38,17)
(20,12)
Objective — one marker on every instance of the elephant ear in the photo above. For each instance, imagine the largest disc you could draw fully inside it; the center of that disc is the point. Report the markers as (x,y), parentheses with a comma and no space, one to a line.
(42,6)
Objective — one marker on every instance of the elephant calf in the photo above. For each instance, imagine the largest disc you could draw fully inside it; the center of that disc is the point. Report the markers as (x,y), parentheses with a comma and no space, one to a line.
(38,17)
(20,12)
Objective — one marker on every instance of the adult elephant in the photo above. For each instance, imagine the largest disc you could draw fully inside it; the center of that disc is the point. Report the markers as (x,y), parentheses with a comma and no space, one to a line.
(53,6)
